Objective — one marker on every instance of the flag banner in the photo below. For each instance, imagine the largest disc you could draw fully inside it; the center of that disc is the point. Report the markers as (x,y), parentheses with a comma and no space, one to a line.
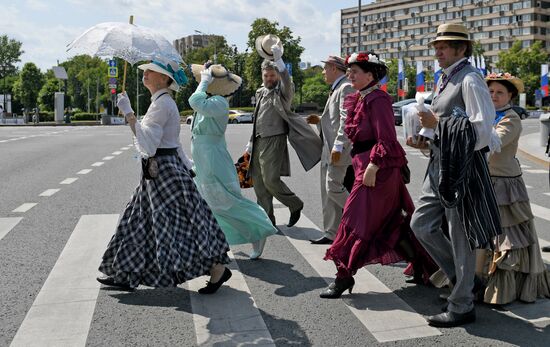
(437,72)
(544,79)
(400,78)
(420,77)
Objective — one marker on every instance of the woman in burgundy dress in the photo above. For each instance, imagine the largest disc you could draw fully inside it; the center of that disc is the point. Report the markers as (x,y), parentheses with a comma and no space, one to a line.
(375,223)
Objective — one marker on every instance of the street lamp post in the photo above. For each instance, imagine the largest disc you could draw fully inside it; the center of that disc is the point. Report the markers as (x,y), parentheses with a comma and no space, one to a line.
(215,48)
(4,68)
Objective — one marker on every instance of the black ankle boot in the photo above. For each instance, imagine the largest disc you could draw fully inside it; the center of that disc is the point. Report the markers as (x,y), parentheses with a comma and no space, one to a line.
(335,289)
(211,288)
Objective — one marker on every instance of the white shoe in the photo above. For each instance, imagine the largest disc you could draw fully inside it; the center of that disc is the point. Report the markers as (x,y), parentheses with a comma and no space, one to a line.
(258,248)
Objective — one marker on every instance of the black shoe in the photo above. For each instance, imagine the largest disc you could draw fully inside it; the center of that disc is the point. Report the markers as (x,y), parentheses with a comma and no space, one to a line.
(335,289)
(546,249)
(294,217)
(322,241)
(451,319)
(211,288)
(109,281)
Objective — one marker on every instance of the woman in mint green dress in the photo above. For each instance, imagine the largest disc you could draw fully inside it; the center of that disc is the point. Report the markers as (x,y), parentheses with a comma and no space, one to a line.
(241,220)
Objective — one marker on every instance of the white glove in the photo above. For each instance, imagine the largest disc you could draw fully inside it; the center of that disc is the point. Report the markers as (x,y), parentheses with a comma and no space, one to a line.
(277,54)
(123,104)
(248,147)
(206,76)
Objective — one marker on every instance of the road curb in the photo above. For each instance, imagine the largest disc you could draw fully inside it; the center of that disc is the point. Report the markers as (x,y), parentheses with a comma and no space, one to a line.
(534,158)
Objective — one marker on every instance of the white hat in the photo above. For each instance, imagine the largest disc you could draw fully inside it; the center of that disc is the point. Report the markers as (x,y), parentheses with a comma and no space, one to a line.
(224,83)
(264,43)
(170,69)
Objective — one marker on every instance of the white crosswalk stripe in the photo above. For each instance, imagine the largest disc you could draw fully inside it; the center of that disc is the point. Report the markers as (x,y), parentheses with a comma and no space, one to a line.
(215,315)
(25,207)
(7,224)
(393,319)
(62,311)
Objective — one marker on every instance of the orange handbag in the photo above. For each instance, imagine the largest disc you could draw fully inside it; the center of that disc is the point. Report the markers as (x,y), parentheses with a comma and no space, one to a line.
(242,165)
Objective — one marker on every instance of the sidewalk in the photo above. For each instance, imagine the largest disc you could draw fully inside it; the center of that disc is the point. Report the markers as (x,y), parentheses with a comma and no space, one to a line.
(529,145)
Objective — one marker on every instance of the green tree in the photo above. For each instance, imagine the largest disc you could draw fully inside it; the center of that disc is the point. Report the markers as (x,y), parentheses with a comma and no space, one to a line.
(525,64)
(28,85)
(292,52)
(410,74)
(10,53)
(46,96)
(315,89)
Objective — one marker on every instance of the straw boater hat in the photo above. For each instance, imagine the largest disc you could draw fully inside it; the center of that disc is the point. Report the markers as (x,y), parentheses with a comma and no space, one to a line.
(224,83)
(170,69)
(338,62)
(506,77)
(264,43)
(451,32)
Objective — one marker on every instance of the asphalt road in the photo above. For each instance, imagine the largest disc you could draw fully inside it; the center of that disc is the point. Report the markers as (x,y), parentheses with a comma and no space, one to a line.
(278,293)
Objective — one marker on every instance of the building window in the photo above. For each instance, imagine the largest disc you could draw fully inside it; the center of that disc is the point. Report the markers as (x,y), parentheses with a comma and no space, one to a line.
(527,4)
(477,12)
(486,10)
(525,44)
(504,20)
(516,6)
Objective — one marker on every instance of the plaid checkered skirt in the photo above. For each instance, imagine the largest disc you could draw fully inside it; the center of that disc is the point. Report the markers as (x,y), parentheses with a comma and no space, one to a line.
(167,234)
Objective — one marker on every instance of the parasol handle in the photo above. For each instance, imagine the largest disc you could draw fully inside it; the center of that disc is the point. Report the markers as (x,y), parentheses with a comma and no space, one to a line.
(125,63)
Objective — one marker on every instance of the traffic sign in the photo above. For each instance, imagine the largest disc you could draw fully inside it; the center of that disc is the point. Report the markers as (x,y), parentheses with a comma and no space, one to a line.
(112,63)
(113,72)
(112,80)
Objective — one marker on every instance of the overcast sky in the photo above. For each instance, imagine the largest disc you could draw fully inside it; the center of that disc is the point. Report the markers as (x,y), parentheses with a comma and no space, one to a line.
(46,27)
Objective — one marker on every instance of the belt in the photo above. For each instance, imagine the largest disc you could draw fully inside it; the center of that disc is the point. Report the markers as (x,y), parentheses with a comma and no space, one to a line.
(362,146)
(166,151)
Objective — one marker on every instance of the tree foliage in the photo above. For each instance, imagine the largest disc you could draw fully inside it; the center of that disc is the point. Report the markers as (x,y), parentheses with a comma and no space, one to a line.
(10,53)
(28,85)
(46,96)
(410,74)
(525,64)
(316,90)
(292,52)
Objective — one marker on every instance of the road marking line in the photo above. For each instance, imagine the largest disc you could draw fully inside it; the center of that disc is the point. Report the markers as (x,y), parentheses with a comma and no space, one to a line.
(107,158)
(392,319)
(84,172)
(541,212)
(116,153)
(6,224)
(523,166)
(230,317)
(536,171)
(25,207)
(99,163)
(547,194)
(124,148)
(528,186)
(68,180)
(63,309)
(49,192)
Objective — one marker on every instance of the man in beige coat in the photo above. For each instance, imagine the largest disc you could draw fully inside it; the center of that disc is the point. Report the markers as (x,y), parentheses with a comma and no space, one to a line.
(274,122)
(336,147)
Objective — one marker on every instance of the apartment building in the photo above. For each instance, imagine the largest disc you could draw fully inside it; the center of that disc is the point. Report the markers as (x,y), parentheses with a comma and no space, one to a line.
(403,28)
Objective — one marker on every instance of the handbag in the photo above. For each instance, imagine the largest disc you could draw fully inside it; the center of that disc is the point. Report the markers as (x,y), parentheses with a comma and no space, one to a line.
(242,165)
(150,168)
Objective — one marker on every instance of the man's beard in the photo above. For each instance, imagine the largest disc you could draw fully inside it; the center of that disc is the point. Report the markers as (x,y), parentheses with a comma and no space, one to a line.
(269,85)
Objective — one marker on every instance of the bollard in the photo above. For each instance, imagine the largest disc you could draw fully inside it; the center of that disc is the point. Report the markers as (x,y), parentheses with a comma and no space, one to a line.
(544,128)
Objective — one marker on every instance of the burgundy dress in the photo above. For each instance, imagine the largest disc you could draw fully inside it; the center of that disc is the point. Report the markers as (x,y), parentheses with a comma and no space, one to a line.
(375,219)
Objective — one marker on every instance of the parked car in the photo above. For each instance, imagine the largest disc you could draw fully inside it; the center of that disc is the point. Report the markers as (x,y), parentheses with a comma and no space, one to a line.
(398,106)
(244,118)
(234,115)
(521,112)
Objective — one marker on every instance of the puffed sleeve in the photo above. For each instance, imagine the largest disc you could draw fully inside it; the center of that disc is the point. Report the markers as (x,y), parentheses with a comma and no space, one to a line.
(150,130)
(387,152)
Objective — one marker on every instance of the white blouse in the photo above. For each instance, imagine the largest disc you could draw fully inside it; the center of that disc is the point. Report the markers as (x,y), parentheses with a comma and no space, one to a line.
(160,127)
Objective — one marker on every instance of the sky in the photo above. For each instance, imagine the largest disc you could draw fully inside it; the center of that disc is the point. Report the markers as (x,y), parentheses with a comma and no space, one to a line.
(46,27)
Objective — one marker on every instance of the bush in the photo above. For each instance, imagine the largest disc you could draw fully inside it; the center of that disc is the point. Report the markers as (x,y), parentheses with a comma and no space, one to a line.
(45,116)
(186,113)
(85,116)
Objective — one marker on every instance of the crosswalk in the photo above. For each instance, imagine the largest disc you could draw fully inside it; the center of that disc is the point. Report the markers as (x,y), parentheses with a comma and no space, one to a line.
(62,312)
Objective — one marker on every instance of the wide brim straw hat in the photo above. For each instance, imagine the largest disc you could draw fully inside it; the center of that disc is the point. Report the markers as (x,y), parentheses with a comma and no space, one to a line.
(451,32)
(164,68)
(516,82)
(264,43)
(224,83)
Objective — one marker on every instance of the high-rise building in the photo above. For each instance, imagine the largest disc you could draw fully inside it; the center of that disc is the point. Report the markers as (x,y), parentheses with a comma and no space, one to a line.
(188,43)
(403,28)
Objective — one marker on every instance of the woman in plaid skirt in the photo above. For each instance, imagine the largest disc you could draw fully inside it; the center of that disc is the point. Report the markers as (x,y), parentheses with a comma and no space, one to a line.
(167,234)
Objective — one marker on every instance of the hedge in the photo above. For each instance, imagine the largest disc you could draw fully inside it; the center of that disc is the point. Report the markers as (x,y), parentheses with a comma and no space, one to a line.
(85,116)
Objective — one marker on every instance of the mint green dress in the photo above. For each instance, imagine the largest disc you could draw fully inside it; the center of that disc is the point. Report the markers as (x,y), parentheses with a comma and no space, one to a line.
(241,220)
